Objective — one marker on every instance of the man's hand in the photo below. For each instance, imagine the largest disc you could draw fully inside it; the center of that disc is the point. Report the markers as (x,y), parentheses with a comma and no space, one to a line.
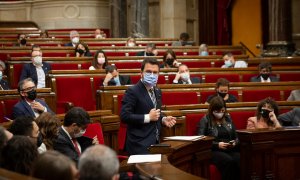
(223,145)
(154,114)
(177,77)
(37,106)
(95,141)
(169,121)
(108,77)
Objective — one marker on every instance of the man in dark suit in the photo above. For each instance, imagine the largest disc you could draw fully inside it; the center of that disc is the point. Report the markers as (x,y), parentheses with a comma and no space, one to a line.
(183,76)
(29,105)
(141,110)
(113,78)
(75,39)
(36,70)
(3,83)
(149,51)
(70,140)
(291,118)
(265,70)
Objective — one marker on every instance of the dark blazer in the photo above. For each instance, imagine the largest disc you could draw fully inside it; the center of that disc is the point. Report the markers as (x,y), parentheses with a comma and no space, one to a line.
(257,79)
(124,80)
(65,145)
(135,104)
(4,84)
(230,99)
(22,108)
(291,118)
(207,128)
(195,80)
(69,44)
(29,70)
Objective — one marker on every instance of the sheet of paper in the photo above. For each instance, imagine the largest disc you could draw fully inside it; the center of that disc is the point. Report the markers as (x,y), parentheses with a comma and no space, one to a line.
(144,158)
(184,138)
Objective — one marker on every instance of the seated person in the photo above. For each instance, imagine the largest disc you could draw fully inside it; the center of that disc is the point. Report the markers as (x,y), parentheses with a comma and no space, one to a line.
(82,50)
(99,61)
(29,105)
(183,40)
(169,60)
(74,37)
(44,34)
(266,115)
(130,42)
(113,78)
(294,96)
(54,165)
(265,69)
(71,141)
(35,47)
(37,70)
(229,62)
(218,124)
(203,50)
(99,34)
(149,51)
(222,89)
(3,83)
(291,118)
(26,126)
(21,40)
(183,76)
(18,155)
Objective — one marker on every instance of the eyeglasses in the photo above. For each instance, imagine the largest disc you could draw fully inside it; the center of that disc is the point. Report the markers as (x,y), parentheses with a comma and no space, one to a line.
(29,89)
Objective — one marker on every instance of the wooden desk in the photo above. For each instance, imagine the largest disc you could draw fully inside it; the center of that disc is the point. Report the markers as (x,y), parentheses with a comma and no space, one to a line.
(270,154)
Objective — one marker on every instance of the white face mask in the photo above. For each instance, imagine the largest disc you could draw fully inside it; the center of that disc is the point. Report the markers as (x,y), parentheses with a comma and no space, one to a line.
(101,60)
(37,60)
(131,44)
(99,36)
(75,40)
(81,133)
(1,74)
(218,115)
(185,76)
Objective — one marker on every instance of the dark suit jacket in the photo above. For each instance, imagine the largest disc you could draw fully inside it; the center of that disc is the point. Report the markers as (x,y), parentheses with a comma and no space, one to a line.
(69,44)
(257,79)
(135,104)
(195,80)
(124,80)
(29,70)
(65,145)
(291,118)
(4,84)
(22,108)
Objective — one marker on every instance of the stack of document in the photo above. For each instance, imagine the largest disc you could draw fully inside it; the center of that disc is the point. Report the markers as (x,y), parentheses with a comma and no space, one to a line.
(184,138)
(144,158)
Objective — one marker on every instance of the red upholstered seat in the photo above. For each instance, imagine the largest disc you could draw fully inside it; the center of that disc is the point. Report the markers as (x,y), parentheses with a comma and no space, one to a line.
(94,129)
(76,90)
(178,98)
(212,78)
(247,77)
(128,65)
(214,173)
(191,123)
(197,64)
(6,108)
(60,66)
(240,118)
(290,76)
(17,69)
(286,94)
(257,95)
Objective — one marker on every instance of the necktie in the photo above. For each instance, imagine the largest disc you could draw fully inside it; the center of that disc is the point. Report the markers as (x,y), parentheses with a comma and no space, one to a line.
(76,146)
(152,96)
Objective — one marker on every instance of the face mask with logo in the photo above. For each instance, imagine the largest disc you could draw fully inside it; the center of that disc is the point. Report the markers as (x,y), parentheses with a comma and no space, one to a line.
(101,60)
(204,53)
(170,62)
(31,94)
(131,44)
(38,60)
(23,42)
(222,94)
(80,51)
(218,115)
(81,133)
(265,76)
(75,40)
(228,63)
(185,76)
(265,113)
(150,79)
(39,140)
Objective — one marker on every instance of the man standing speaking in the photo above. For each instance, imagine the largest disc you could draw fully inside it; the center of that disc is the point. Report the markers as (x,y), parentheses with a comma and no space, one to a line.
(141,106)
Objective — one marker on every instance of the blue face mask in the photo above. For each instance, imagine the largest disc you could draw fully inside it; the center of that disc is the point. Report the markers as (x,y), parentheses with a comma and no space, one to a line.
(150,79)
(228,63)
(117,80)
(204,53)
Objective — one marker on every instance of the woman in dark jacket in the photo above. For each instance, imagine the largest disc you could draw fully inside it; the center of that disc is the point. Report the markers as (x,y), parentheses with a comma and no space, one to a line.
(218,124)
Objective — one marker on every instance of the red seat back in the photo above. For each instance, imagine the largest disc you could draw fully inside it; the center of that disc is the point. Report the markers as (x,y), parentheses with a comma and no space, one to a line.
(240,118)
(17,69)
(212,78)
(94,130)
(128,65)
(179,98)
(257,95)
(191,123)
(290,76)
(197,64)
